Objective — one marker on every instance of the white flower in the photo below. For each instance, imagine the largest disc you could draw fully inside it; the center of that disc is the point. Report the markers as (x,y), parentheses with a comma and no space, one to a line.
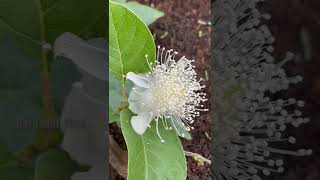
(169,92)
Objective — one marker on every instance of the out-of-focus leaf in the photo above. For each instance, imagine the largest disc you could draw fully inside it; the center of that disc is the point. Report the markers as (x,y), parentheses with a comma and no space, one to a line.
(114,91)
(89,58)
(84,122)
(63,74)
(20,104)
(54,165)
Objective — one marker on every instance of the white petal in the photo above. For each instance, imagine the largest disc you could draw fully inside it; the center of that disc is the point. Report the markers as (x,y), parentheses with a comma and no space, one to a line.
(139,80)
(141,122)
(140,100)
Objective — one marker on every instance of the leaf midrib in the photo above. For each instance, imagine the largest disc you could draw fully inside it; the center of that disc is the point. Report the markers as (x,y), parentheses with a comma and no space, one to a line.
(145,158)
(118,44)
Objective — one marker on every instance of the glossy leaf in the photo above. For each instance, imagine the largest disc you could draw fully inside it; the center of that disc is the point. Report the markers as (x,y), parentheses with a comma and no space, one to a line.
(148,158)
(129,41)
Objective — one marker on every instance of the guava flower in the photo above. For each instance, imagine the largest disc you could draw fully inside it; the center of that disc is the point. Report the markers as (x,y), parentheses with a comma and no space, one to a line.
(169,92)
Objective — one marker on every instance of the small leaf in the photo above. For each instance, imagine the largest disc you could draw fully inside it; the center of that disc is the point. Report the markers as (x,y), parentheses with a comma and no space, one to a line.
(115,96)
(120,1)
(150,159)
(129,41)
(113,116)
(147,14)
(182,132)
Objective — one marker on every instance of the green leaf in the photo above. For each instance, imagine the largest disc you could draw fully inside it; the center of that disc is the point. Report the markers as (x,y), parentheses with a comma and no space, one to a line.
(149,159)
(129,41)
(114,91)
(147,14)
(36,22)
(120,1)
(113,116)
(54,164)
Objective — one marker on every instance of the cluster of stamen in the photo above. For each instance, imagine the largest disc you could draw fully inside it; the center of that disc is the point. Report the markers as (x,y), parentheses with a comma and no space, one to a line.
(175,91)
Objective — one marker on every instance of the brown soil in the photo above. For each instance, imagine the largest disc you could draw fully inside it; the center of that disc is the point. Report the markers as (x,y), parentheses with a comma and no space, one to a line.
(180,30)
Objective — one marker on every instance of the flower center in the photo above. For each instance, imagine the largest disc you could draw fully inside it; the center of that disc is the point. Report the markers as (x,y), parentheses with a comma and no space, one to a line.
(168,95)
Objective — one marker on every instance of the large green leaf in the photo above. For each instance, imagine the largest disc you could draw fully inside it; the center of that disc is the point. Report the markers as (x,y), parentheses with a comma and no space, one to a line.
(149,159)
(129,41)
(36,22)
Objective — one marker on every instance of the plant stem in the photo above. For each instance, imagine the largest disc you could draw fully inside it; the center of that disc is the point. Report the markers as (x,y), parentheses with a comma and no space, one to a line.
(48,110)
(118,158)
(46,94)
(192,154)
(123,89)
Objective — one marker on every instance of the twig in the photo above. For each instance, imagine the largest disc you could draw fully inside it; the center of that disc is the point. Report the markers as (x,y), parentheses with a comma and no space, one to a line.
(187,153)
(118,158)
